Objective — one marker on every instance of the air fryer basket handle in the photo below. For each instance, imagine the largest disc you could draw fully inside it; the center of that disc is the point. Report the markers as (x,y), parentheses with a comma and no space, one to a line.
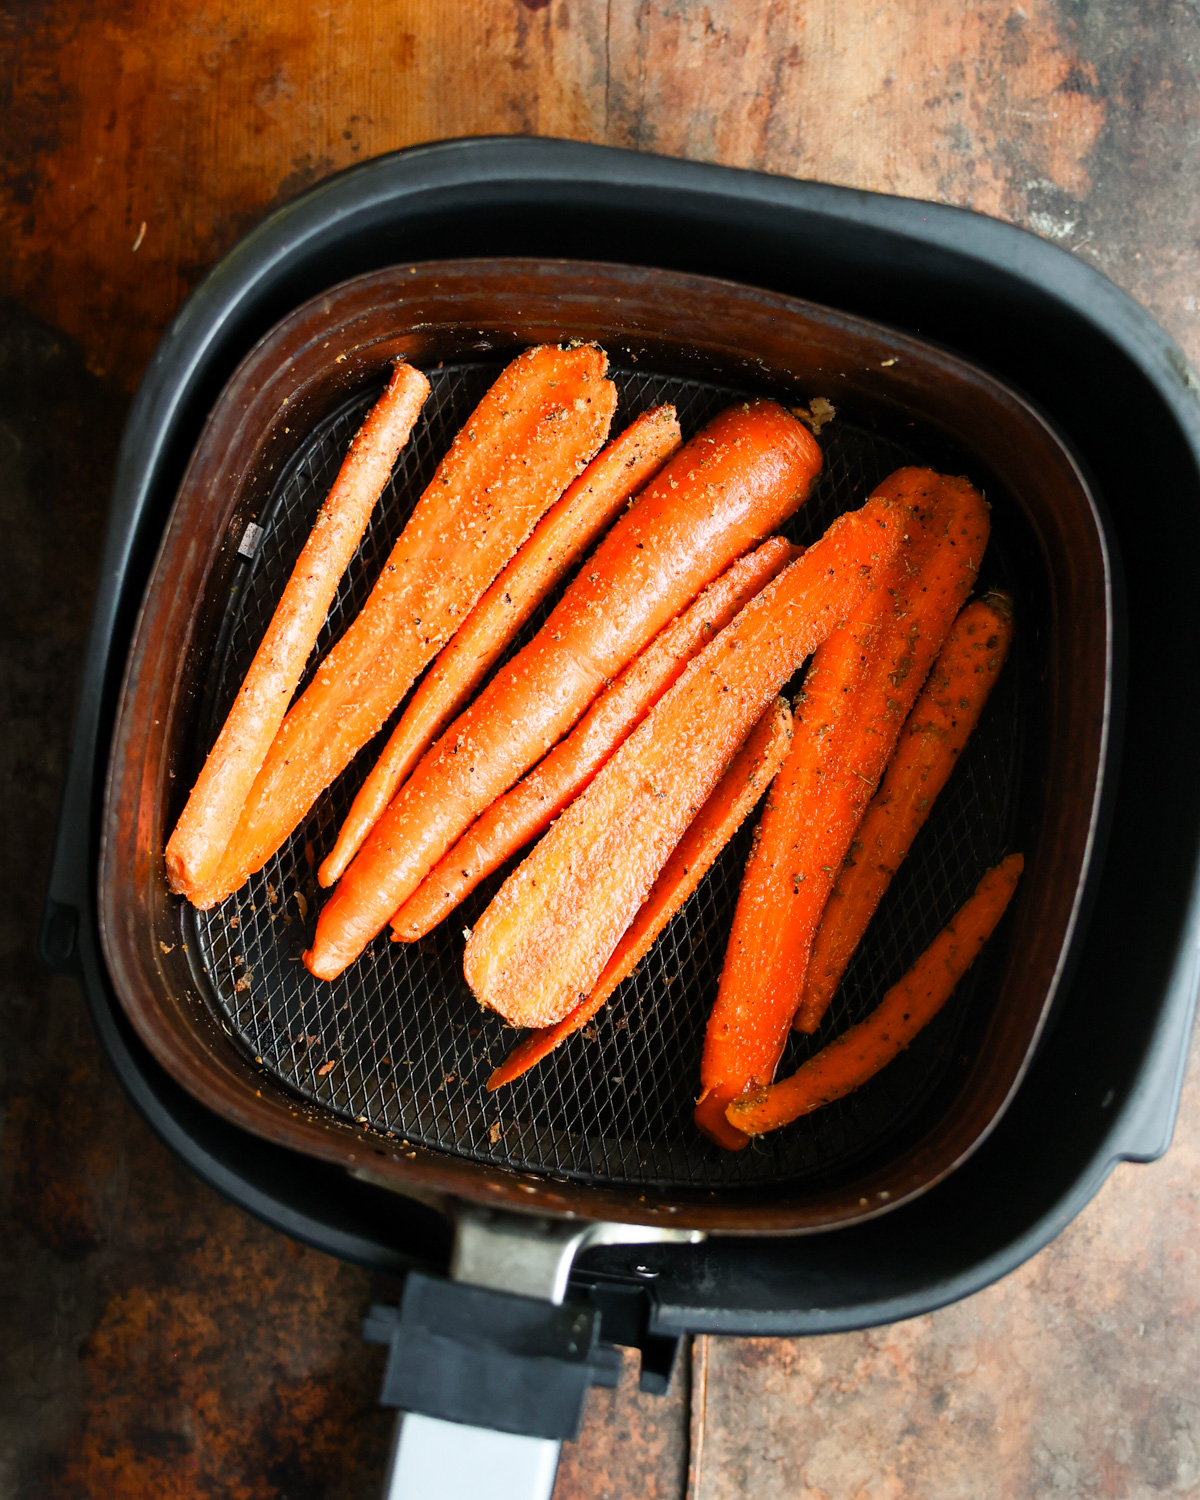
(434,1460)
(490,1369)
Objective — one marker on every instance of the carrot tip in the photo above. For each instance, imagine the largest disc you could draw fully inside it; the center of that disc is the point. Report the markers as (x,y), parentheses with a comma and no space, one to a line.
(711,1119)
(736,1111)
(318,970)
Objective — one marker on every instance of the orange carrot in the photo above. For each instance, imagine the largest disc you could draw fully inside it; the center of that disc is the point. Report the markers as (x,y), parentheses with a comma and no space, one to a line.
(862,1051)
(532,433)
(862,686)
(207,822)
(692,858)
(543,942)
(933,738)
(725,490)
(528,809)
(562,536)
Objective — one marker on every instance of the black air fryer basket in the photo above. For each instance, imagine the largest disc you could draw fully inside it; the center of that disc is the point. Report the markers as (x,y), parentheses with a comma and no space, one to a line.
(1104,1084)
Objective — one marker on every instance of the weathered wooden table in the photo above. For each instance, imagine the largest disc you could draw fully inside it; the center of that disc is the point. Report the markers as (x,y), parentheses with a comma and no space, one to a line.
(157,1342)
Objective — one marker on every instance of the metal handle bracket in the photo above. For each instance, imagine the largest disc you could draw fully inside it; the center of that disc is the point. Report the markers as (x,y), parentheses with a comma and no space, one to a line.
(494,1361)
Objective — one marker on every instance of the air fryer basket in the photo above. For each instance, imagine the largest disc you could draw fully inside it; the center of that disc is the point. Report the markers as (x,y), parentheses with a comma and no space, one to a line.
(397,1045)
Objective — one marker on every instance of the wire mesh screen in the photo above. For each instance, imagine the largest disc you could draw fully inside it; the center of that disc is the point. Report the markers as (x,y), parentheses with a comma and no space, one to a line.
(398,1043)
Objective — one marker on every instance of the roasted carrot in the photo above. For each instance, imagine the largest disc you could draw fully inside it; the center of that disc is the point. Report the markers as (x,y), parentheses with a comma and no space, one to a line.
(544,940)
(560,539)
(724,491)
(207,821)
(534,431)
(862,1051)
(932,740)
(863,684)
(529,808)
(833,688)
(713,826)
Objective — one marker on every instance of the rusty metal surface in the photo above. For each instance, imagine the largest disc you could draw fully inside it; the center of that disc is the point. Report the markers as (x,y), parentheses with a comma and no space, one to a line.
(157,1342)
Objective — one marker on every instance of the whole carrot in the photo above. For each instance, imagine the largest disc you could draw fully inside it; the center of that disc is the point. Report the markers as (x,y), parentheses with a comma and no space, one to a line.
(692,858)
(560,539)
(207,821)
(933,738)
(544,940)
(529,808)
(862,1051)
(533,432)
(863,686)
(733,484)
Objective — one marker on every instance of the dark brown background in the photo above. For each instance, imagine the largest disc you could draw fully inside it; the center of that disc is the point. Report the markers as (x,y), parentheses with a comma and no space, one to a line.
(155,1341)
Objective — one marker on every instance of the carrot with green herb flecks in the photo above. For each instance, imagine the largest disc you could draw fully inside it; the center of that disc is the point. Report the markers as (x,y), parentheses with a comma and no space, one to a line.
(864,1050)
(534,431)
(544,940)
(216,801)
(527,809)
(932,740)
(863,684)
(560,539)
(726,489)
(692,858)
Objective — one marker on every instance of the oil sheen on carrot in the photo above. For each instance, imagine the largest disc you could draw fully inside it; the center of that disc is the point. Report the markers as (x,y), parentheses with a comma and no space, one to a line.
(535,430)
(713,826)
(559,540)
(527,809)
(861,687)
(206,825)
(542,943)
(732,485)
(933,738)
(853,1058)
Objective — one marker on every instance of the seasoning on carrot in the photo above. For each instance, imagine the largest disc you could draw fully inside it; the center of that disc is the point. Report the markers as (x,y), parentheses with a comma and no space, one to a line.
(694,855)
(863,684)
(528,809)
(544,940)
(733,484)
(862,1051)
(207,821)
(933,738)
(531,435)
(562,536)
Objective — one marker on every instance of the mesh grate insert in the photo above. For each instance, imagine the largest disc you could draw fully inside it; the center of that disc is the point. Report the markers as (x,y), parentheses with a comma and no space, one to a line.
(398,1043)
